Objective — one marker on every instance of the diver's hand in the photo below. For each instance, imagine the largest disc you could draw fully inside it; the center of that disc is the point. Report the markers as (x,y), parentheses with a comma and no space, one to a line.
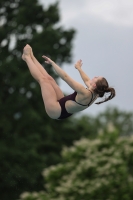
(78,64)
(47,60)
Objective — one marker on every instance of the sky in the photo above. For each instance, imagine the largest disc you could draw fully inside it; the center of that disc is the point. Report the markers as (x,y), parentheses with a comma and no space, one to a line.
(104,42)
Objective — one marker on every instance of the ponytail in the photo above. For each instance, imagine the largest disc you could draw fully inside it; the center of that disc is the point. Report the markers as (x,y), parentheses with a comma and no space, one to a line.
(111,96)
(102,87)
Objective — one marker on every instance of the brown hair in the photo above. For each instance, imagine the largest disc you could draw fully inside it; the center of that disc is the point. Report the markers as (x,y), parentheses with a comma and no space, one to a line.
(102,87)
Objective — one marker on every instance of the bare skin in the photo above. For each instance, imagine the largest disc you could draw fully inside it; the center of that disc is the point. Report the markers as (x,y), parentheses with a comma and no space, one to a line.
(49,95)
(51,92)
(58,91)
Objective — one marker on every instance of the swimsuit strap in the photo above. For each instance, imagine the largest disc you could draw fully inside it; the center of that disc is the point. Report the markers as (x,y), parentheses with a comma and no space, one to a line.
(91,97)
(80,103)
(90,100)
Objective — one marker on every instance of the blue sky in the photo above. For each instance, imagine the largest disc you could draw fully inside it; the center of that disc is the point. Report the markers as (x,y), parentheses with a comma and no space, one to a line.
(104,41)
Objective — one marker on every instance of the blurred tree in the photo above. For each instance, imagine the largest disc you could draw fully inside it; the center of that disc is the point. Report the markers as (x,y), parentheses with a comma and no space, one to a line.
(27,135)
(29,139)
(121,120)
(91,169)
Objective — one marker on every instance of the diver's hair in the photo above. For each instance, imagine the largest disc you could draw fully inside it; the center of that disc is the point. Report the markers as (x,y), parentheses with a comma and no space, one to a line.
(102,87)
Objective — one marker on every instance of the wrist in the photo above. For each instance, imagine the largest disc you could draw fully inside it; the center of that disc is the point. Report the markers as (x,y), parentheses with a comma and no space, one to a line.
(79,69)
(52,62)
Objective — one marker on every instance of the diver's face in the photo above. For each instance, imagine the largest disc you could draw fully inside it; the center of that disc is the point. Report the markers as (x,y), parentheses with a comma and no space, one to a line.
(94,81)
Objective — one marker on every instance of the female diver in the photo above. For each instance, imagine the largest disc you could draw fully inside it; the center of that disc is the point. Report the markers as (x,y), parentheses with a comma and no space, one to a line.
(57,105)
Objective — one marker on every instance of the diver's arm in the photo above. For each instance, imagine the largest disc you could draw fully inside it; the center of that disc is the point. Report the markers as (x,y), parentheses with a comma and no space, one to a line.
(84,77)
(71,82)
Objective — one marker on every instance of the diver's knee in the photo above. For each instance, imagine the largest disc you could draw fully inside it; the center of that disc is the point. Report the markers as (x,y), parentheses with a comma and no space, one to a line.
(43,79)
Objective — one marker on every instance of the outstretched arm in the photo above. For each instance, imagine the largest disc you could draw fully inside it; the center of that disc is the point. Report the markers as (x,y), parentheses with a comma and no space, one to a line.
(72,83)
(85,78)
(58,70)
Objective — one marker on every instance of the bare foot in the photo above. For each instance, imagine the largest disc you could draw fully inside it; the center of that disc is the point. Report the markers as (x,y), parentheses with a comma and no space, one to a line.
(31,53)
(23,57)
(26,52)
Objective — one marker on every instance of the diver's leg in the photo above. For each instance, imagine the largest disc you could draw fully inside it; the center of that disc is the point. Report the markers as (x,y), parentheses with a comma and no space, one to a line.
(52,106)
(57,89)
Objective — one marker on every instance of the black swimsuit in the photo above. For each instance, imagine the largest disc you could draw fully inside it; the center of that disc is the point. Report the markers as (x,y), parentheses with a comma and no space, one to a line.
(62,101)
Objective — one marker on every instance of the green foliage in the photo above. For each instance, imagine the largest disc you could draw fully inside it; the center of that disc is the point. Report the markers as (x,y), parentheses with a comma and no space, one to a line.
(109,118)
(91,169)
(29,140)
(27,135)
(35,196)
(121,120)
